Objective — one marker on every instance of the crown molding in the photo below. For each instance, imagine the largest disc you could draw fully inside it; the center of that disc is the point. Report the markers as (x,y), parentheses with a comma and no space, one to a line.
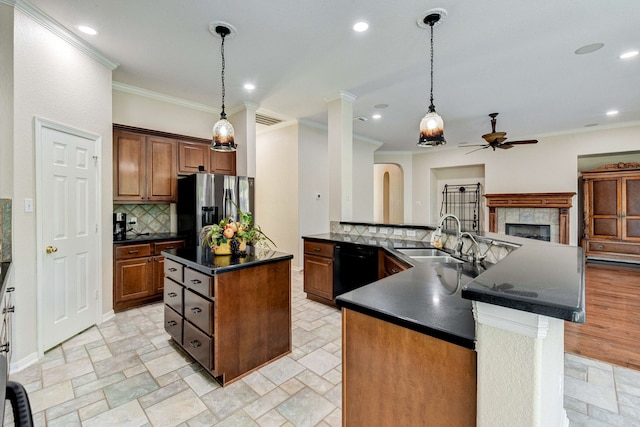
(135,90)
(341,95)
(59,30)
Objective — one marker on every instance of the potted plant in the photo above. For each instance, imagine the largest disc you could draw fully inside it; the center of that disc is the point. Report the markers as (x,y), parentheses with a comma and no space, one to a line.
(231,237)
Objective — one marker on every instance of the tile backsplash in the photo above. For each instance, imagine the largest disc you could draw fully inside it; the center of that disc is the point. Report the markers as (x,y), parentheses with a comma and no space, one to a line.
(5,231)
(150,218)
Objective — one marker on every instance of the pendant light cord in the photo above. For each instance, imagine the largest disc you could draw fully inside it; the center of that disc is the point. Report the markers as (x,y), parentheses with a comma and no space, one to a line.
(222,114)
(431,106)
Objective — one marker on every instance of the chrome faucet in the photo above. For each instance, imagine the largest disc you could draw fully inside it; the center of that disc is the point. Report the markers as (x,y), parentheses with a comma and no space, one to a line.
(435,237)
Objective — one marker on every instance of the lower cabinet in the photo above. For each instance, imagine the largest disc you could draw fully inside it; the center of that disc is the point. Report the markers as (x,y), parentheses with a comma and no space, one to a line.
(231,323)
(319,271)
(139,272)
(391,265)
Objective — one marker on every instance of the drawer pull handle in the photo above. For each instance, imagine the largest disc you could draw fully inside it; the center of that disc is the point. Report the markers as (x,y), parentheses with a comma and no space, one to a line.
(134,252)
(169,247)
(11,289)
(4,348)
(196,310)
(172,294)
(196,281)
(394,270)
(173,270)
(600,247)
(316,249)
(195,343)
(11,309)
(172,323)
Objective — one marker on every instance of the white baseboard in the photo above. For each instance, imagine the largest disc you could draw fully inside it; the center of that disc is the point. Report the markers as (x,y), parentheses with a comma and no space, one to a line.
(23,363)
(108,315)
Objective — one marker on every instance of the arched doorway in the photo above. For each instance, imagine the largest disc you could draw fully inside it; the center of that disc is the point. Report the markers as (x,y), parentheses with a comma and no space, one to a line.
(388,193)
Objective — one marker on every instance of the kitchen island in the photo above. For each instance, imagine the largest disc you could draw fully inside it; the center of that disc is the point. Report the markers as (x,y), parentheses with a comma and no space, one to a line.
(231,314)
(447,343)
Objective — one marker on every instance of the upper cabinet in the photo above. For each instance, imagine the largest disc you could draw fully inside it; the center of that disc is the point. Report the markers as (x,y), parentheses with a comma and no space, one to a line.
(611,201)
(193,155)
(144,168)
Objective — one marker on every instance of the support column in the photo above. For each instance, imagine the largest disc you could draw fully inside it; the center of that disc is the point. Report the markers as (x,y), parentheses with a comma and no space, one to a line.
(244,124)
(520,375)
(340,132)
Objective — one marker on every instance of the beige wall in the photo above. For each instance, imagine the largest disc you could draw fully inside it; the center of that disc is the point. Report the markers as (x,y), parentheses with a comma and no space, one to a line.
(277,187)
(55,81)
(395,192)
(549,166)
(6,101)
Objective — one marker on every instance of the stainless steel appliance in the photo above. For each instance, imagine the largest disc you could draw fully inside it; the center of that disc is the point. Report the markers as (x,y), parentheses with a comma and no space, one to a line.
(119,226)
(205,199)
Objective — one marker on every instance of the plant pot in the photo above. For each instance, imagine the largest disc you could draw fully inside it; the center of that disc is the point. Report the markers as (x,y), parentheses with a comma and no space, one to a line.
(225,249)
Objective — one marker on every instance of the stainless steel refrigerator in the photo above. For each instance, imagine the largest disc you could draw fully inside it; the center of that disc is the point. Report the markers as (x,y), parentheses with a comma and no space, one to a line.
(205,199)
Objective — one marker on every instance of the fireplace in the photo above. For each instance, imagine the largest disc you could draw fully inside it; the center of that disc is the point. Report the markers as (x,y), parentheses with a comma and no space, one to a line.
(530,231)
(531,208)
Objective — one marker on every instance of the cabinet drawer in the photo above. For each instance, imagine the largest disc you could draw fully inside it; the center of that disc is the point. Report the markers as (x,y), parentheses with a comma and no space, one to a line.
(199,282)
(174,270)
(173,295)
(133,251)
(198,345)
(319,249)
(173,324)
(163,246)
(198,311)
(621,248)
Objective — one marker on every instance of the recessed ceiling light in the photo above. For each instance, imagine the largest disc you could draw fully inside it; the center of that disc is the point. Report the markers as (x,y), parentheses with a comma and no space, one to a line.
(87,30)
(589,48)
(612,112)
(249,86)
(360,26)
(376,116)
(380,106)
(629,54)
(588,125)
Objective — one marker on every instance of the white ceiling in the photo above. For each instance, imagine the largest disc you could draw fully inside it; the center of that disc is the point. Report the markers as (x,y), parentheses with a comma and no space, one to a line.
(515,57)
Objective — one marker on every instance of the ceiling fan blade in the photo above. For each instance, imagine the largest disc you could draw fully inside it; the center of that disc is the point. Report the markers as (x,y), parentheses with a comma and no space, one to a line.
(461,145)
(505,146)
(481,148)
(500,140)
(526,141)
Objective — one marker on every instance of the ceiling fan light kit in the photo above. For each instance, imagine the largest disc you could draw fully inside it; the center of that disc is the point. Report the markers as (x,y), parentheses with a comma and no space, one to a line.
(223,132)
(432,125)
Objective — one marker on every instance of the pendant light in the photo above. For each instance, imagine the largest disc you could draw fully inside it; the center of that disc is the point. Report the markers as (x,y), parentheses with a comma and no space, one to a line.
(431,125)
(223,132)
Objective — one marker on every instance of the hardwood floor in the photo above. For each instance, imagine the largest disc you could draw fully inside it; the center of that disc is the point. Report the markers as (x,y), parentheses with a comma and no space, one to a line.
(612,329)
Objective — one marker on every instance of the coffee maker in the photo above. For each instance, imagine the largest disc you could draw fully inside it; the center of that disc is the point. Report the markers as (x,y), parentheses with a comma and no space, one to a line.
(119,226)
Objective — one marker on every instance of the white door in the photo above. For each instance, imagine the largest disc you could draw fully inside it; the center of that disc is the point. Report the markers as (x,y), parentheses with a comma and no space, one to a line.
(67,215)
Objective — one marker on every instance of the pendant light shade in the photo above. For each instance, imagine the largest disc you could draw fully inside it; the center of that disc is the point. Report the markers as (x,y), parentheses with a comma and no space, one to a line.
(431,125)
(223,132)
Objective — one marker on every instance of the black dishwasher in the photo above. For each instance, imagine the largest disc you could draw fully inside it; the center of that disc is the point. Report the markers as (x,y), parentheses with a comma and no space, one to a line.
(357,266)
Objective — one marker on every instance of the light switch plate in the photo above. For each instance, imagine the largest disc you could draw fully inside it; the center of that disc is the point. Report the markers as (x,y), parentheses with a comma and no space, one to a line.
(28,205)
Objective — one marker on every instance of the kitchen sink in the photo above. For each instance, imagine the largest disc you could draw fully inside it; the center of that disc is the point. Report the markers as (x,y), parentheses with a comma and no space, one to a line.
(428,255)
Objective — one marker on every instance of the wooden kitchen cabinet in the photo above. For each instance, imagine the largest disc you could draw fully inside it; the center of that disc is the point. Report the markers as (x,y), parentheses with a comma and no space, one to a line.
(319,271)
(390,265)
(139,273)
(193,155)
(233,322)
(144,168)
(611,203)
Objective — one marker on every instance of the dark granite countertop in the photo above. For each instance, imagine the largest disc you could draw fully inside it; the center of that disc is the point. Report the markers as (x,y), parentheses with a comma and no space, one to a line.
(133,238)
(539,277)
(203,260)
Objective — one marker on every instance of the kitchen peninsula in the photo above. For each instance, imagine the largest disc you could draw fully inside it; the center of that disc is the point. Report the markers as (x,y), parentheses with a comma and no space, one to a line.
(450,342)
(231,314)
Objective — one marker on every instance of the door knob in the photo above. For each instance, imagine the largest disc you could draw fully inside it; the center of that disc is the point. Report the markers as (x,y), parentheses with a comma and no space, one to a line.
(51,249)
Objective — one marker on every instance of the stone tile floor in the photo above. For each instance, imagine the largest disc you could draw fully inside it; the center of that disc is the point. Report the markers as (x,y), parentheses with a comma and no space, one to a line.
(127,372)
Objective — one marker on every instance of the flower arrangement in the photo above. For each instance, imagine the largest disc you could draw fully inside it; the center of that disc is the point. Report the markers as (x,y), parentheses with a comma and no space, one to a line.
(231,237)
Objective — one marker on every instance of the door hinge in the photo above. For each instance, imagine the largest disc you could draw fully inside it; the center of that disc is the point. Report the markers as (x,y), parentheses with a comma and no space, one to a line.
(95,159)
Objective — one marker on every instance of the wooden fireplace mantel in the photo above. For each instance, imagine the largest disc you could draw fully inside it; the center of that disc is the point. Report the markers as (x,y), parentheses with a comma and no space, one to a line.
(562,201)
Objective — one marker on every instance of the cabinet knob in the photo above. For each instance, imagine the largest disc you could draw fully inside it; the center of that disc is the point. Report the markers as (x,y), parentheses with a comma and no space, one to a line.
(600,247)
(172,295)
(195,343)
(394,270)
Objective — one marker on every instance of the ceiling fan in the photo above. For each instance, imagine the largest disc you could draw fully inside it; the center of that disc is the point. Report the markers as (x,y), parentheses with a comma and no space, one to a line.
(497,139)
